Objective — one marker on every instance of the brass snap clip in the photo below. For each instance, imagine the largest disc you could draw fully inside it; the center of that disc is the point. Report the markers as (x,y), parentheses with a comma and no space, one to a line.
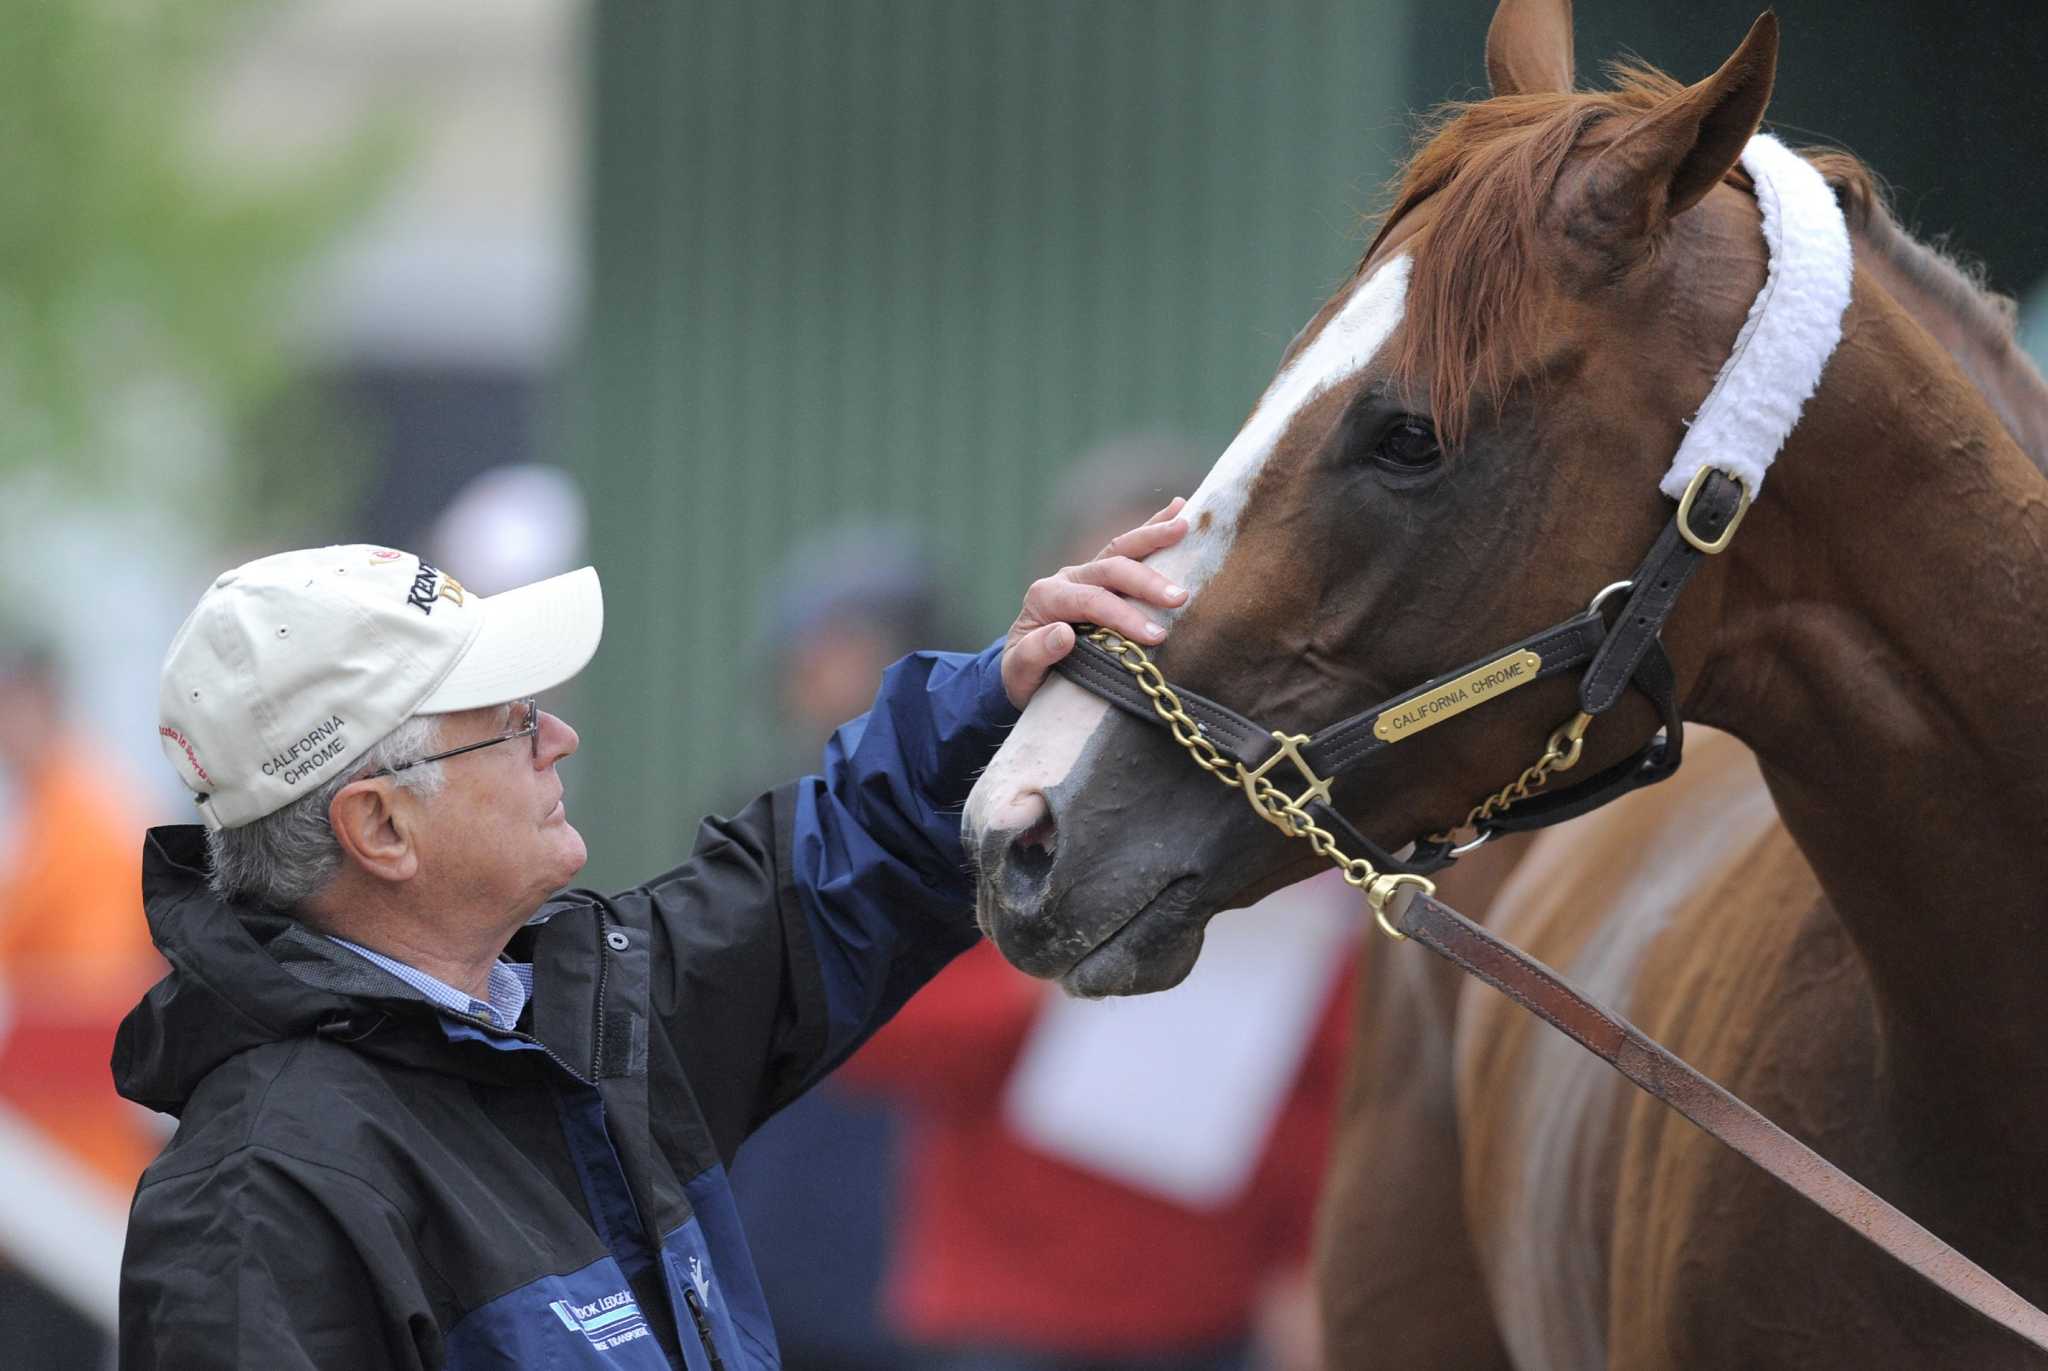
(1384,890)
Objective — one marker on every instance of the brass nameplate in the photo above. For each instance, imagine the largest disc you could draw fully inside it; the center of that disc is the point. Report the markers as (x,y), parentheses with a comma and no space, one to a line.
(1452,698)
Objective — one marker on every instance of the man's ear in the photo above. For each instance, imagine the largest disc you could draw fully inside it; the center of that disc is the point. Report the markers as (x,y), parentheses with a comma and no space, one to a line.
(374,835)
(1667,161)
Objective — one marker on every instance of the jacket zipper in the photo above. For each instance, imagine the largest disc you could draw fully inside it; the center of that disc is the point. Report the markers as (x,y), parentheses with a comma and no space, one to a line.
(481,1022)
(703,1322)
(552,1055)
(698,1317)
(604,966)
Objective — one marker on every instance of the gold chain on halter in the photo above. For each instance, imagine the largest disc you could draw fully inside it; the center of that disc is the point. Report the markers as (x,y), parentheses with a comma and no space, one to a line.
(1561,753)
(1287,813)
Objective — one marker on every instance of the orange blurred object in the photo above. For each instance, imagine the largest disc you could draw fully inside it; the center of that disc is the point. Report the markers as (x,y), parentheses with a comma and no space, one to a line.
(75,955)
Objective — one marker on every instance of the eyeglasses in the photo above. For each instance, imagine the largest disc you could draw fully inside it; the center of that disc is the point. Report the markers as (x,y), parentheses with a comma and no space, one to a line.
(529,729)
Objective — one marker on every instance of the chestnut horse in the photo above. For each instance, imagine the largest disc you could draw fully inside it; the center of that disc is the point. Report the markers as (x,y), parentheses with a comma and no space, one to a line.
(1401,1284)
(1461,446)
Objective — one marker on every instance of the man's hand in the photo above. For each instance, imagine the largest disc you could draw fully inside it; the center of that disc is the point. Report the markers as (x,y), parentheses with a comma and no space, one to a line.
(1093,593)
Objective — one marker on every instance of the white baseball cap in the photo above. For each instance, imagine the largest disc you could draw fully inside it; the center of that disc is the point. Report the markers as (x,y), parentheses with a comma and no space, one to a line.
(293,666)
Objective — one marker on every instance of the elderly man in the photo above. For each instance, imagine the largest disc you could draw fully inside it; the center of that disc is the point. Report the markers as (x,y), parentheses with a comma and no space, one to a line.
(432,1113)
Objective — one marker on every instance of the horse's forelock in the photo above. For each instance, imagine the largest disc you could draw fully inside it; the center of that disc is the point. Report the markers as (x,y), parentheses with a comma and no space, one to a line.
(1489,168)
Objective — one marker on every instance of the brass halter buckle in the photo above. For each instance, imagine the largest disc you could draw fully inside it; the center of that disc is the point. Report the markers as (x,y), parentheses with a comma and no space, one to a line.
(1692,489)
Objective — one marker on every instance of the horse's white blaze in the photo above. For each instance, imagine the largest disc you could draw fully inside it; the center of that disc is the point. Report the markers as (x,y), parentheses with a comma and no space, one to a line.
(1060,719)
(1347,342)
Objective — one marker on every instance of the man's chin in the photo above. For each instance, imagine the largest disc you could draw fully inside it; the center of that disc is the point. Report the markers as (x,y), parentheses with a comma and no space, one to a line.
(570,845)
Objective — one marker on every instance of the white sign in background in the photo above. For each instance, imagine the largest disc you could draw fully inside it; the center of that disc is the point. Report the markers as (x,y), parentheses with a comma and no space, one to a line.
(1176,1093)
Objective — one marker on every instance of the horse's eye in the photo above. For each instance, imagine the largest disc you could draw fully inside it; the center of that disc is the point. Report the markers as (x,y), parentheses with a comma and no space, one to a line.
(1408,445)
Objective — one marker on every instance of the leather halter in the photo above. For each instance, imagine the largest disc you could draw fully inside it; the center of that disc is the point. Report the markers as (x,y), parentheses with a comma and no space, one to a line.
(1629,654)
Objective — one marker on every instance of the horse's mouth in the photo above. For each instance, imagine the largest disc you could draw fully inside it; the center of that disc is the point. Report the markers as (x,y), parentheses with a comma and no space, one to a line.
(1152,950)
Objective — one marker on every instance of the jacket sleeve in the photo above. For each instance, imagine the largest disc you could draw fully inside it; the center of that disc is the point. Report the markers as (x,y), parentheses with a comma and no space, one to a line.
(800,925)
(260,1263)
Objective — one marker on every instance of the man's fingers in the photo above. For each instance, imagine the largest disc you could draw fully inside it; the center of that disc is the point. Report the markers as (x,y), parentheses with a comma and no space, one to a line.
(1131,578)
(1027,661)
(1146,539)
(1095,593)
(1077,602)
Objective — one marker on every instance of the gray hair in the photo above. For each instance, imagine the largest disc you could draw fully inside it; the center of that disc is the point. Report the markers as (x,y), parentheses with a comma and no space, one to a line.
(288,856)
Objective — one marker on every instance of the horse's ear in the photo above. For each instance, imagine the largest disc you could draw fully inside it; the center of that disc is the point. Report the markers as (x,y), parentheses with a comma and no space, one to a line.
(1529,48)
(1671,157)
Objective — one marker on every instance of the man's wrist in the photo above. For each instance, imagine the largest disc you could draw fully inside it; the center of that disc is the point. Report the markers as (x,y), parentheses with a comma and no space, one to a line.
(991,699)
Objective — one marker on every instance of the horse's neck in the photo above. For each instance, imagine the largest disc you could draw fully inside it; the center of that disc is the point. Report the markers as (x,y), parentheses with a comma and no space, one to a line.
(1882,649)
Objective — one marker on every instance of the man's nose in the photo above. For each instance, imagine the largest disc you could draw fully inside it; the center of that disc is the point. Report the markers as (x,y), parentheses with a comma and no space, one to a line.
(557,739)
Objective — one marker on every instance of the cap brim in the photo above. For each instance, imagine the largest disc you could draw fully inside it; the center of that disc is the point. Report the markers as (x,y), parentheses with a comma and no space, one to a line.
(532,639)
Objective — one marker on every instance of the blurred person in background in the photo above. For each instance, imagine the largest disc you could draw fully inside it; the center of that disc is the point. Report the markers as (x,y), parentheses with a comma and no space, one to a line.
(74,954)
(513,525)
(814,1185)
(844,603)
(1014,1257)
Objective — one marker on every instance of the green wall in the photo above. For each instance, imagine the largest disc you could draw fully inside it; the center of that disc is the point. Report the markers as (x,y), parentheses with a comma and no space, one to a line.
(902,258)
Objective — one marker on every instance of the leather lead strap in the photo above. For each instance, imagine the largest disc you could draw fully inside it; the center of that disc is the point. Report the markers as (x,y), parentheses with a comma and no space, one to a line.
(1653,1069)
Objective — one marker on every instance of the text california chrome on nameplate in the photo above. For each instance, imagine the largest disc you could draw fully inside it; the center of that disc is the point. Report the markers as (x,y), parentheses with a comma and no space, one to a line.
(1452,698)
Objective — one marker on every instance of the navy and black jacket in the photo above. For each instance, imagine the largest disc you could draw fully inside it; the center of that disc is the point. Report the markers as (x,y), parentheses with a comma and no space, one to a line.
(360,1180)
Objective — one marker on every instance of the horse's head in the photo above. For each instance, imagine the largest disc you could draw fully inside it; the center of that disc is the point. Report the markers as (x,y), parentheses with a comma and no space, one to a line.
(1461,446)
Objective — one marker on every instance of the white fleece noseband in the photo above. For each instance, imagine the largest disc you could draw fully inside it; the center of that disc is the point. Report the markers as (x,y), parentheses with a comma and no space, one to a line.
(1792,329)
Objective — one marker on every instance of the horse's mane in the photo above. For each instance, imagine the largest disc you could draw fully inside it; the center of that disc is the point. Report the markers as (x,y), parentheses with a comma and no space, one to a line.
(1491,165)
(1955,286)
(1956,282)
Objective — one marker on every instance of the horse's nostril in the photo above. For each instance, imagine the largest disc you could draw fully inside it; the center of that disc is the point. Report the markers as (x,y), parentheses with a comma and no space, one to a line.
(1032,852)
(1042,836)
